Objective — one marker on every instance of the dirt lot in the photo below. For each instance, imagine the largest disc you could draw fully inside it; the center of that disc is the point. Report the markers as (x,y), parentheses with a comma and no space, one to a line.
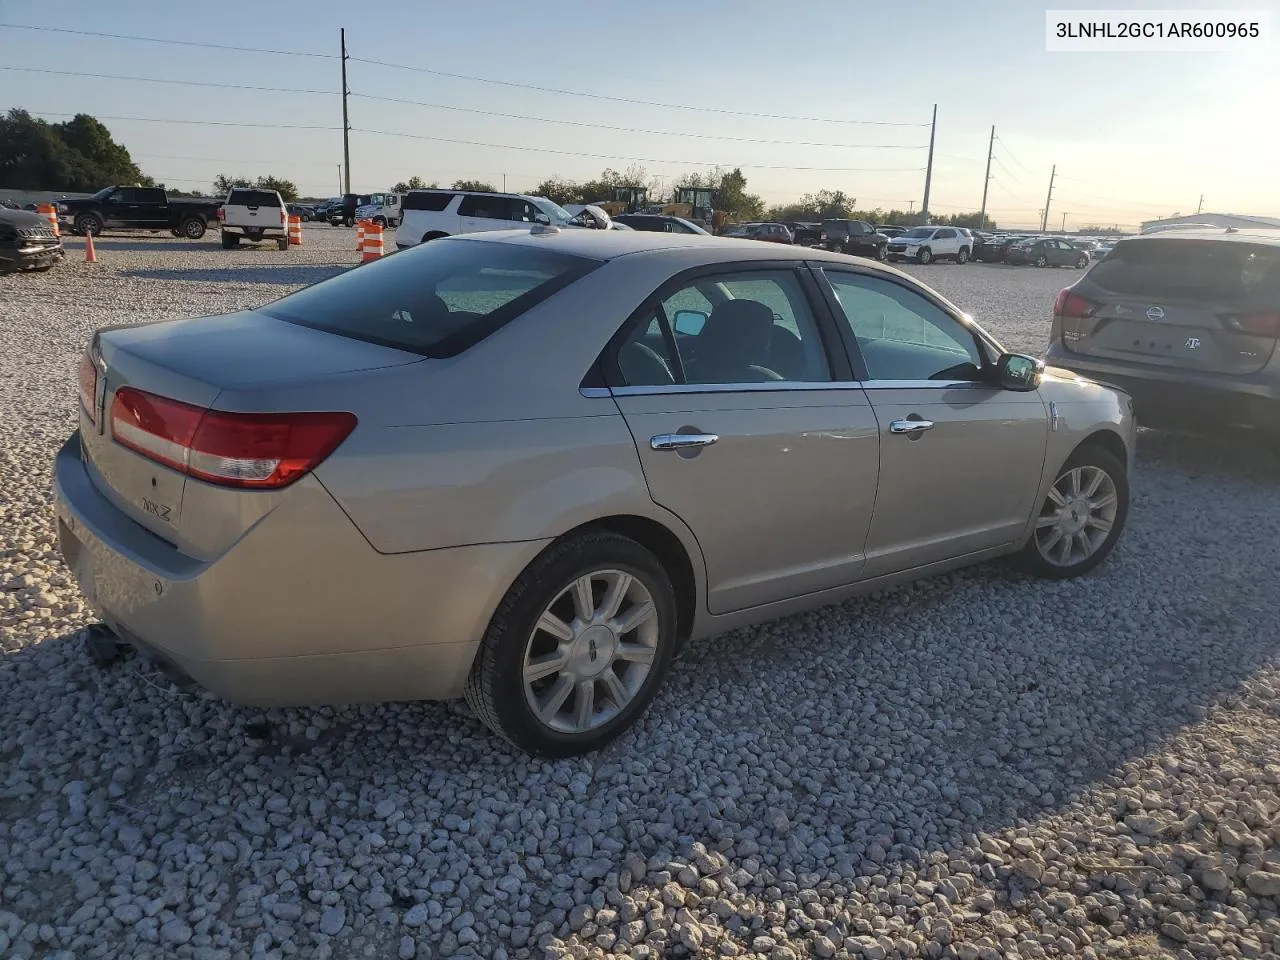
(977,766)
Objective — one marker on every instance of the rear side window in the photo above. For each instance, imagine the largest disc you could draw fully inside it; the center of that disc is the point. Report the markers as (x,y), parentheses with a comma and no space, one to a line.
(254,198)
(486,207)
(423,200)
(436,299)
(1191,270)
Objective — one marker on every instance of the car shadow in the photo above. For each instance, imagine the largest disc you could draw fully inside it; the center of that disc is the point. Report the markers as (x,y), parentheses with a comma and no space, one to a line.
(127,245)
(871,738)
(281,274)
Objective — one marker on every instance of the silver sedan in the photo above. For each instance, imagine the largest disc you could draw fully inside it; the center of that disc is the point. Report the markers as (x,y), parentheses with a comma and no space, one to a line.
(524,467)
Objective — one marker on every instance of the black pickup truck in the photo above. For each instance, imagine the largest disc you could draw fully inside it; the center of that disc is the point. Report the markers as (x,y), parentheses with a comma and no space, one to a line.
(138,208)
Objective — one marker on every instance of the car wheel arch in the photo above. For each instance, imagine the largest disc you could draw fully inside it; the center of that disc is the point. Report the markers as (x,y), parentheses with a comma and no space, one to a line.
(1105,439)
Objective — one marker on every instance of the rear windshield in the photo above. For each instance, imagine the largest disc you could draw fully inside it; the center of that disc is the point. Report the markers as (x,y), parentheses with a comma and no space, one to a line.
(253,198)
(419,200)
(436,299)
(1191,270)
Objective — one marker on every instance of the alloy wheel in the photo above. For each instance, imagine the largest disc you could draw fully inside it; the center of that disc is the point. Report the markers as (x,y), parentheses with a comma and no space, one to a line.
(1077,516)
(590,651)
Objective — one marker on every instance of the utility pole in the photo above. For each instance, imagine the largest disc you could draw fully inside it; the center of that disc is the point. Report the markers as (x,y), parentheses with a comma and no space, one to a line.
(1064,221)
(912,210)
(346,124)
(1044,219)
(928,171)
(339,178)
(504,183)
(1200,205)
(986,181)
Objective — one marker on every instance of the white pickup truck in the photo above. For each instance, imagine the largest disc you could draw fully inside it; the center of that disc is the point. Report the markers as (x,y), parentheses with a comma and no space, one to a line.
(254,215)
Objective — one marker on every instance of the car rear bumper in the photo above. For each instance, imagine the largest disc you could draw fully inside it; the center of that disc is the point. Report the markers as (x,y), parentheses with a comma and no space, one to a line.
(272,232)
(300,611)
(1182,398)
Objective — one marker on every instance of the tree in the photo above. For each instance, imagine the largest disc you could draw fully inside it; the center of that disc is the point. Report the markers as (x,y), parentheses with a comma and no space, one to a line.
(78,155)
(414,183)
(734,200)
(223,184)
(479,186)
(559,190)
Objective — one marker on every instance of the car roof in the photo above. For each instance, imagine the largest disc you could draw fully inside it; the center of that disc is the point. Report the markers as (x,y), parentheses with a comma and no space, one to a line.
(1226,234)
(693,249)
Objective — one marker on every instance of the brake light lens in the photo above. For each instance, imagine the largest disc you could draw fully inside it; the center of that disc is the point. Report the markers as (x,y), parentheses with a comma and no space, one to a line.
(222,214)
(87,381)
(1265,323)
(251,450)
(1069,304)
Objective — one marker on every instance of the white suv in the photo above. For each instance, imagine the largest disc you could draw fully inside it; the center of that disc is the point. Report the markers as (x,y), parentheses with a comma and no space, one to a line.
(254,215)
(927,244)
(431,214)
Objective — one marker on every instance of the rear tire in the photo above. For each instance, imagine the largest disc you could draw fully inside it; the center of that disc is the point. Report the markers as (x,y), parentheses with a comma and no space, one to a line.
(192,228)
(1082,263)
(88,223)
(282,244)
(525,711)
(963,256)
(1042,261)
(1087,522)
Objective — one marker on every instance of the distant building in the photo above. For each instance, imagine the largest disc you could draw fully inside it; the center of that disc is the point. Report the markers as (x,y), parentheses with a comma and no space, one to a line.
(1216,220)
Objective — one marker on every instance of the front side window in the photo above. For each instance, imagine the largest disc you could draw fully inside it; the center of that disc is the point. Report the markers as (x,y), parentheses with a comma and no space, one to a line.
(740,327)
(435,299)
(902,335)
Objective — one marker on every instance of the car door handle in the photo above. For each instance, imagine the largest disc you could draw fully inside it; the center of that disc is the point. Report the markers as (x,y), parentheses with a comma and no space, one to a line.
(910,426)
(679,441)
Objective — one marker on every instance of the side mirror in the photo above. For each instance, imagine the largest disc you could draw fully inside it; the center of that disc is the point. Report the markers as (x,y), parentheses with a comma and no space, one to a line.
(543,219)
(1014,371)
(689,323)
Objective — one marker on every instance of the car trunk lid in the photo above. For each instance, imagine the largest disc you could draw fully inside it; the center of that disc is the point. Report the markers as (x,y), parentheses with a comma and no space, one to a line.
(184,366)
(1210,306)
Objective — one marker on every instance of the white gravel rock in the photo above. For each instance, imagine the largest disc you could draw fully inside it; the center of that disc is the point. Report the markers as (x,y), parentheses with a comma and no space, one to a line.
(975,766)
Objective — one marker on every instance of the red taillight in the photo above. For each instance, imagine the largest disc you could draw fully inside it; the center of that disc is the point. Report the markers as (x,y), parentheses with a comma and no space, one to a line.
(1265,323)
(87,379)
(1070,305)
(284,218)
(222,215)
(259,450)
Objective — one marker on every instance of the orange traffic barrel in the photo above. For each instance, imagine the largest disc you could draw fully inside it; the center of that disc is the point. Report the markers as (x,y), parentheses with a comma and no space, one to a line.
(360,225)
(50,213)
(295,231)
(372,243)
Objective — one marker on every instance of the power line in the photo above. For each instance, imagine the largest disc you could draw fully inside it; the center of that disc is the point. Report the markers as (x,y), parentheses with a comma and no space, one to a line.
(181,83)
(1005,169)
(178,43)
(660,133)
(1011,156)
(211,123)
(634,102)
(608,156)
(161,156)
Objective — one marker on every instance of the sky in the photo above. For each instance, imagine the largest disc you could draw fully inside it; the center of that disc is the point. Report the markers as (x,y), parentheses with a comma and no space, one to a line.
(1134,136)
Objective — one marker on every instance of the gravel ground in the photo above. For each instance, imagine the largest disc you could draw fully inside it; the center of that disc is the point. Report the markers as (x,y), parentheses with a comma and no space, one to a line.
(976,766)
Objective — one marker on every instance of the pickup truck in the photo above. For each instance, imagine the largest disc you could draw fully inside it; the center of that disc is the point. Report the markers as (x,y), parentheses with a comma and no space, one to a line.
(138,208)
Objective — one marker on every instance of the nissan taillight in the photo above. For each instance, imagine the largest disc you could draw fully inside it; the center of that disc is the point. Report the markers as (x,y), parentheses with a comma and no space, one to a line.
(87,380)
(1263,322)
(1069,304)
(252,450)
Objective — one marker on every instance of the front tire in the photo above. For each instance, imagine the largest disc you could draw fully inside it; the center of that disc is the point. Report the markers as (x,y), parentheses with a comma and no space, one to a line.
(88,224)
(963,256)
(1081,518)
(578,647)
(925,255)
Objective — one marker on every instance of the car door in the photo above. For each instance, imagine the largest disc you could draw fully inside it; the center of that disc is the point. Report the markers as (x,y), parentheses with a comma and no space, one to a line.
(960,458)
(946,242)
(479,212)
(774,472)
(152,208)
(119,207)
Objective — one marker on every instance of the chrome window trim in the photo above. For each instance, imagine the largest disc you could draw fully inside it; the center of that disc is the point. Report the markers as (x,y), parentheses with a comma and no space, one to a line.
(781,386)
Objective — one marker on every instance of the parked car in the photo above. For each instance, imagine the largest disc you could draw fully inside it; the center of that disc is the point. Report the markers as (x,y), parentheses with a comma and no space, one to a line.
(254,215)
(807,234)
(326,499)
(927,244)
(1187,322)
(768,232)
(303,211)
(1047,252)
(436,214)
(889,231)
(27,242)
(659,223)
(1102,249)
(138,208)
(856,237)
(1084,243)
(995,250)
